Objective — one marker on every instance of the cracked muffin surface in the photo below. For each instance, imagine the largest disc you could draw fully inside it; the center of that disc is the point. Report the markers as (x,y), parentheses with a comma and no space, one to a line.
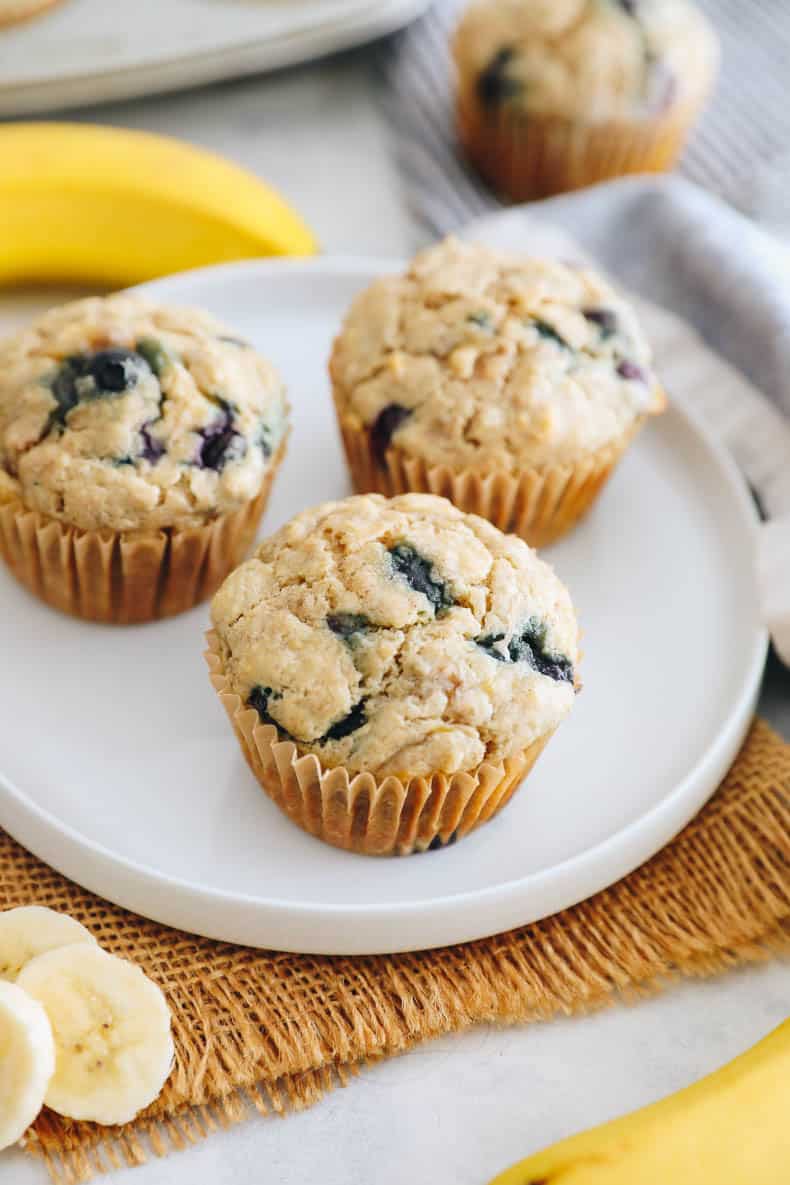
(586,60)
(484,360)
(399,636)
(119,413)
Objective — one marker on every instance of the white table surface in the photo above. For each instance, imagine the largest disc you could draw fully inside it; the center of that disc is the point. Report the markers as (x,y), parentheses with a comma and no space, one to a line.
(459,1110)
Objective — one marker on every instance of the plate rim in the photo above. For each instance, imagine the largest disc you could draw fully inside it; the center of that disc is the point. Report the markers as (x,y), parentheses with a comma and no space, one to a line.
(366,20)
(140,886)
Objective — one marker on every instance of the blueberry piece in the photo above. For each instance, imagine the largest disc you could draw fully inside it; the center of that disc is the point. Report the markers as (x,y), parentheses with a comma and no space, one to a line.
(154,353)
(152,448)
(113,372)
(260,697)
(436,844)
(259,700)
(419,574)
(632,372)
(264,440)
(530,647)
(116,371)
(64,387)
(605,319)
(218,440)
(482,319)
(494,85)
(346,624)
(556,666)
(549,333)
(628,6)
(383,429)
(350,723)
(489,643)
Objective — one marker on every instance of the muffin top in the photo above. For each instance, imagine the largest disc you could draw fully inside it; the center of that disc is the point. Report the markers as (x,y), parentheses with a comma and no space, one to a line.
(399,636)
(118,413)
(489,361)
(586,60)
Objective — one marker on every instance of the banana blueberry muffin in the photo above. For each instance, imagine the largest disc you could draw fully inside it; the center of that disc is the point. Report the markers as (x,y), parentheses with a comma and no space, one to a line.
(478,363)
(411,640)
(125,419)
(553,94)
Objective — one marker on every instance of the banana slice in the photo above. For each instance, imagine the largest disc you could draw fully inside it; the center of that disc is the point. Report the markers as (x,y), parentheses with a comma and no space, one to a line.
(31,930)
(111,1026)
(27,1061)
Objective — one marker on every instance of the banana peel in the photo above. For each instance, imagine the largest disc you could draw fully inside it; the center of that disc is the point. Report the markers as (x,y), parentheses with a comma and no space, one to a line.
(731,1128)
(89,204)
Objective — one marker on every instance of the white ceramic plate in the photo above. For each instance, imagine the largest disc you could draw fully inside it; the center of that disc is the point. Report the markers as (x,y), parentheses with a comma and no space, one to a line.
(80,53)
(119,767)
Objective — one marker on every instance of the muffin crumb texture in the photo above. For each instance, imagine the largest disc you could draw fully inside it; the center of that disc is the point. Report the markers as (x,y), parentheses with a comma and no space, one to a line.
(399,637)
(481,360)
(117,413)
(585,60)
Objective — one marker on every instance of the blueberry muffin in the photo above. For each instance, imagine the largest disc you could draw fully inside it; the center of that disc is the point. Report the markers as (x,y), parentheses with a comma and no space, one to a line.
(556,94)
(137,447)
(422,661)
(509,385)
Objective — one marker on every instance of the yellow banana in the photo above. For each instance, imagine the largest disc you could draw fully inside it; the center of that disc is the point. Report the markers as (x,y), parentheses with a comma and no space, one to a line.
(104,205)
(731,1128)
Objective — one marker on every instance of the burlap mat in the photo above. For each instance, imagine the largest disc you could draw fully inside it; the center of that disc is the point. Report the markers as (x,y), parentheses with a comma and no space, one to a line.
(275,1031)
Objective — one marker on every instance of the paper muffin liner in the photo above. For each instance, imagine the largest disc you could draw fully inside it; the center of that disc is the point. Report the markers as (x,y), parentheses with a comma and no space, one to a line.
(387,816)
(127,577)
(532,156)
(540,505)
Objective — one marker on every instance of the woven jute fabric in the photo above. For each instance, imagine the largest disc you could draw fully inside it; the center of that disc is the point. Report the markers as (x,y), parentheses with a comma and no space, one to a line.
(274,1032)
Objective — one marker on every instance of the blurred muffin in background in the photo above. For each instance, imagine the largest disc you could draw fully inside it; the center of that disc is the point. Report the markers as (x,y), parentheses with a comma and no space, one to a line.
(553,95)
(12,11)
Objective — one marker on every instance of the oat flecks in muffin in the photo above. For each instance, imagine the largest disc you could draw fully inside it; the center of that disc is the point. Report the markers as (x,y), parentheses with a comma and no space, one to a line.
(586,60)
(477,359)
(118,413)
(399,636)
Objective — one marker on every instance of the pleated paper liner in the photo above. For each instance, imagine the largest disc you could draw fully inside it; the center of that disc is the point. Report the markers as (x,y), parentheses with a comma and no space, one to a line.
(124,578)
(540,505)
(272,1032)
(388,816)
(526,156)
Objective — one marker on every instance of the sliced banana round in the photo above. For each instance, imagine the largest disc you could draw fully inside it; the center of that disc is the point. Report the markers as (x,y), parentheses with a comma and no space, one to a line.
(31,930)
(27,1061)
(111,1024)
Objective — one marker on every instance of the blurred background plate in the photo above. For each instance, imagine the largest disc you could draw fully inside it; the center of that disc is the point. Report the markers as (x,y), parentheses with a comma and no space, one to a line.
(82,53)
